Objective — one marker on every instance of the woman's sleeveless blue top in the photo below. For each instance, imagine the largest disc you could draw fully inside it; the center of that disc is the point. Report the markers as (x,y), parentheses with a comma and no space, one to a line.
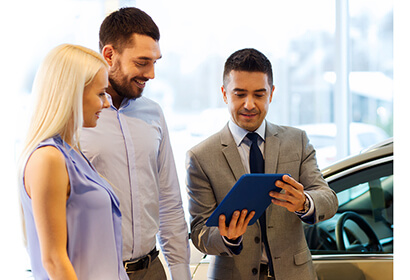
(94,244)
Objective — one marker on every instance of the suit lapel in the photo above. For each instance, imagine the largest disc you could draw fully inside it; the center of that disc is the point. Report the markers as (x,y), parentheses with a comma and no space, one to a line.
(272,145)
(230,151)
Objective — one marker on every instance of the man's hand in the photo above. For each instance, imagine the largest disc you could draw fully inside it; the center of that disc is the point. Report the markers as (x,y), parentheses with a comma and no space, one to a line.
(293,198)
(237,226)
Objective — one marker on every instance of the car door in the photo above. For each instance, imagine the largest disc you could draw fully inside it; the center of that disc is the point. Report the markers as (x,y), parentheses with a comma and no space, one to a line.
(357,243)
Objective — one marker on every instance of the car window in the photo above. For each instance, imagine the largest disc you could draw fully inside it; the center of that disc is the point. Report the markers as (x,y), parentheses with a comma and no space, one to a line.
(352,193)
(364,220)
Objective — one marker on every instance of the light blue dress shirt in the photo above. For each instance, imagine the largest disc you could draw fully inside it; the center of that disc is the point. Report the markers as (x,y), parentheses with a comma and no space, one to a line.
(131,148)
(93,222)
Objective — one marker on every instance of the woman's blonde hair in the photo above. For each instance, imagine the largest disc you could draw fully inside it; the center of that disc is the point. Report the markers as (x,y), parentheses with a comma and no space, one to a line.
(58,88)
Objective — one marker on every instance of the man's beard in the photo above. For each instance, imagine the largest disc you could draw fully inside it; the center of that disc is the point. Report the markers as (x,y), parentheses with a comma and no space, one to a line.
(124,89)
(119,83)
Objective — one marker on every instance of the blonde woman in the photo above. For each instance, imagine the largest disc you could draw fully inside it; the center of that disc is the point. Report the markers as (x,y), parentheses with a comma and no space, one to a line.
(72,217)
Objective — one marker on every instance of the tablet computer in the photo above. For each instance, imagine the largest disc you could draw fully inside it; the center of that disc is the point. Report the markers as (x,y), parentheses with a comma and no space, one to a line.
(250,192)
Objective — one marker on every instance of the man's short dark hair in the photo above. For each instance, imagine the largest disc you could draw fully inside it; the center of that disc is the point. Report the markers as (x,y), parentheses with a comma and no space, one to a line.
(249,60)
(119,26)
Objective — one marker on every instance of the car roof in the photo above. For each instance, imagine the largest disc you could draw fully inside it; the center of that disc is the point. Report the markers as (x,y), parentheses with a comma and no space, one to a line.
(380,150)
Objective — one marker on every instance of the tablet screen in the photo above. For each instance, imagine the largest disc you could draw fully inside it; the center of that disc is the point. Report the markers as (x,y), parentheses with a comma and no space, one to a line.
(250,192)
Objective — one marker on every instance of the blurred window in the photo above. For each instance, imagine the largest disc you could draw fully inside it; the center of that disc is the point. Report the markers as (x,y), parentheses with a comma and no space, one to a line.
(298,37)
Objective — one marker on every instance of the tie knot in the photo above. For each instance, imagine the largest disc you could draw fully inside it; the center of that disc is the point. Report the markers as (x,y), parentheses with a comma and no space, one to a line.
(253,137)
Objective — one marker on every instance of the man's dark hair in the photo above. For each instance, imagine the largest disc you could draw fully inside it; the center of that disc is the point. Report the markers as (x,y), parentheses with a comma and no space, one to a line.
(119,26)
(249,60)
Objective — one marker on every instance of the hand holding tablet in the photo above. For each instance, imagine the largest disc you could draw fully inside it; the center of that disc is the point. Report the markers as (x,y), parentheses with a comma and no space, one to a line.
(251,192)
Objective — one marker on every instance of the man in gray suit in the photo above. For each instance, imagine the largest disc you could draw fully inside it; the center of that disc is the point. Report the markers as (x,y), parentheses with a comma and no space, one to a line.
(274,248)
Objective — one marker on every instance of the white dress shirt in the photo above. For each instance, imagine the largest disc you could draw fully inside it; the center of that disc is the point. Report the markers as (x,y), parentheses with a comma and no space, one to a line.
(131,148)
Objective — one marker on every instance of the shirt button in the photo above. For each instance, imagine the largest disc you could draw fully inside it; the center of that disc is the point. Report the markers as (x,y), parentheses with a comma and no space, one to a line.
(254,271)
(257,240)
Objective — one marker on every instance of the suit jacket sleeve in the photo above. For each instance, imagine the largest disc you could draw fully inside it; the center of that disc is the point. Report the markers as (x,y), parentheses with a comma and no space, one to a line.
(324,198)
(202,203)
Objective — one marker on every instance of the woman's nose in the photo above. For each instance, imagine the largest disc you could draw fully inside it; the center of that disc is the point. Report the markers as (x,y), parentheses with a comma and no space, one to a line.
(105,103)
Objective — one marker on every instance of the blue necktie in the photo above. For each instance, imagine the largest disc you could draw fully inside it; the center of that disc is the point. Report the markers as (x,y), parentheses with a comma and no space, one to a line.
(257,165)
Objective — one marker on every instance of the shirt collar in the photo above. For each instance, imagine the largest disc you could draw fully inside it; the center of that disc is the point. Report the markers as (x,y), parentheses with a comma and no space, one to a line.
(125,102)
(109,98)
(239,133)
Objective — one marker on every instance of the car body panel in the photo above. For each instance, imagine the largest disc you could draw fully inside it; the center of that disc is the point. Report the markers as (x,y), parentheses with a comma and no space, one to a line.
(354,267)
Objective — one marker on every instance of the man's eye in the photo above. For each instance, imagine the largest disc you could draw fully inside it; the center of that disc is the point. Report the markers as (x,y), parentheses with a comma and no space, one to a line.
(141,64)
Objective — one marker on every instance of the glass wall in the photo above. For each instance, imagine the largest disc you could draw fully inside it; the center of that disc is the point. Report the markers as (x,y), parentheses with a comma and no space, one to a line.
(299,37)
(301,40)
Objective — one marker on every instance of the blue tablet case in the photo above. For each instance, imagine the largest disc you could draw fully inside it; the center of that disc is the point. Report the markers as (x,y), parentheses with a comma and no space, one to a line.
(250,192)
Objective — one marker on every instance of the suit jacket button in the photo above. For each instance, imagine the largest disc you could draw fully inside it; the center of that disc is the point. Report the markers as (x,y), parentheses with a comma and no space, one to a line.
(257,240)
(254,271)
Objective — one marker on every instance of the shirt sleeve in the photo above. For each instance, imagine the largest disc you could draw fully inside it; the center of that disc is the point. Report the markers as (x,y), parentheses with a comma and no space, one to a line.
(236,247)
(173,229)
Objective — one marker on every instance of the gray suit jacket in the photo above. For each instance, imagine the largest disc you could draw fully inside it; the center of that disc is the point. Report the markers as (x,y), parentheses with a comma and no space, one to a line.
(214,166)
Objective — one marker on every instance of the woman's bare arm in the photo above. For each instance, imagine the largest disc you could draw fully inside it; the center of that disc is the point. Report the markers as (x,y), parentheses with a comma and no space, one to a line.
(48,185)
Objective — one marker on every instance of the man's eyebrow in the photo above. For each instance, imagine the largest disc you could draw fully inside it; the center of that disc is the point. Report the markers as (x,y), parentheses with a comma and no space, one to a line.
(239,89)
(261,90)
(146,58)
(243,90)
